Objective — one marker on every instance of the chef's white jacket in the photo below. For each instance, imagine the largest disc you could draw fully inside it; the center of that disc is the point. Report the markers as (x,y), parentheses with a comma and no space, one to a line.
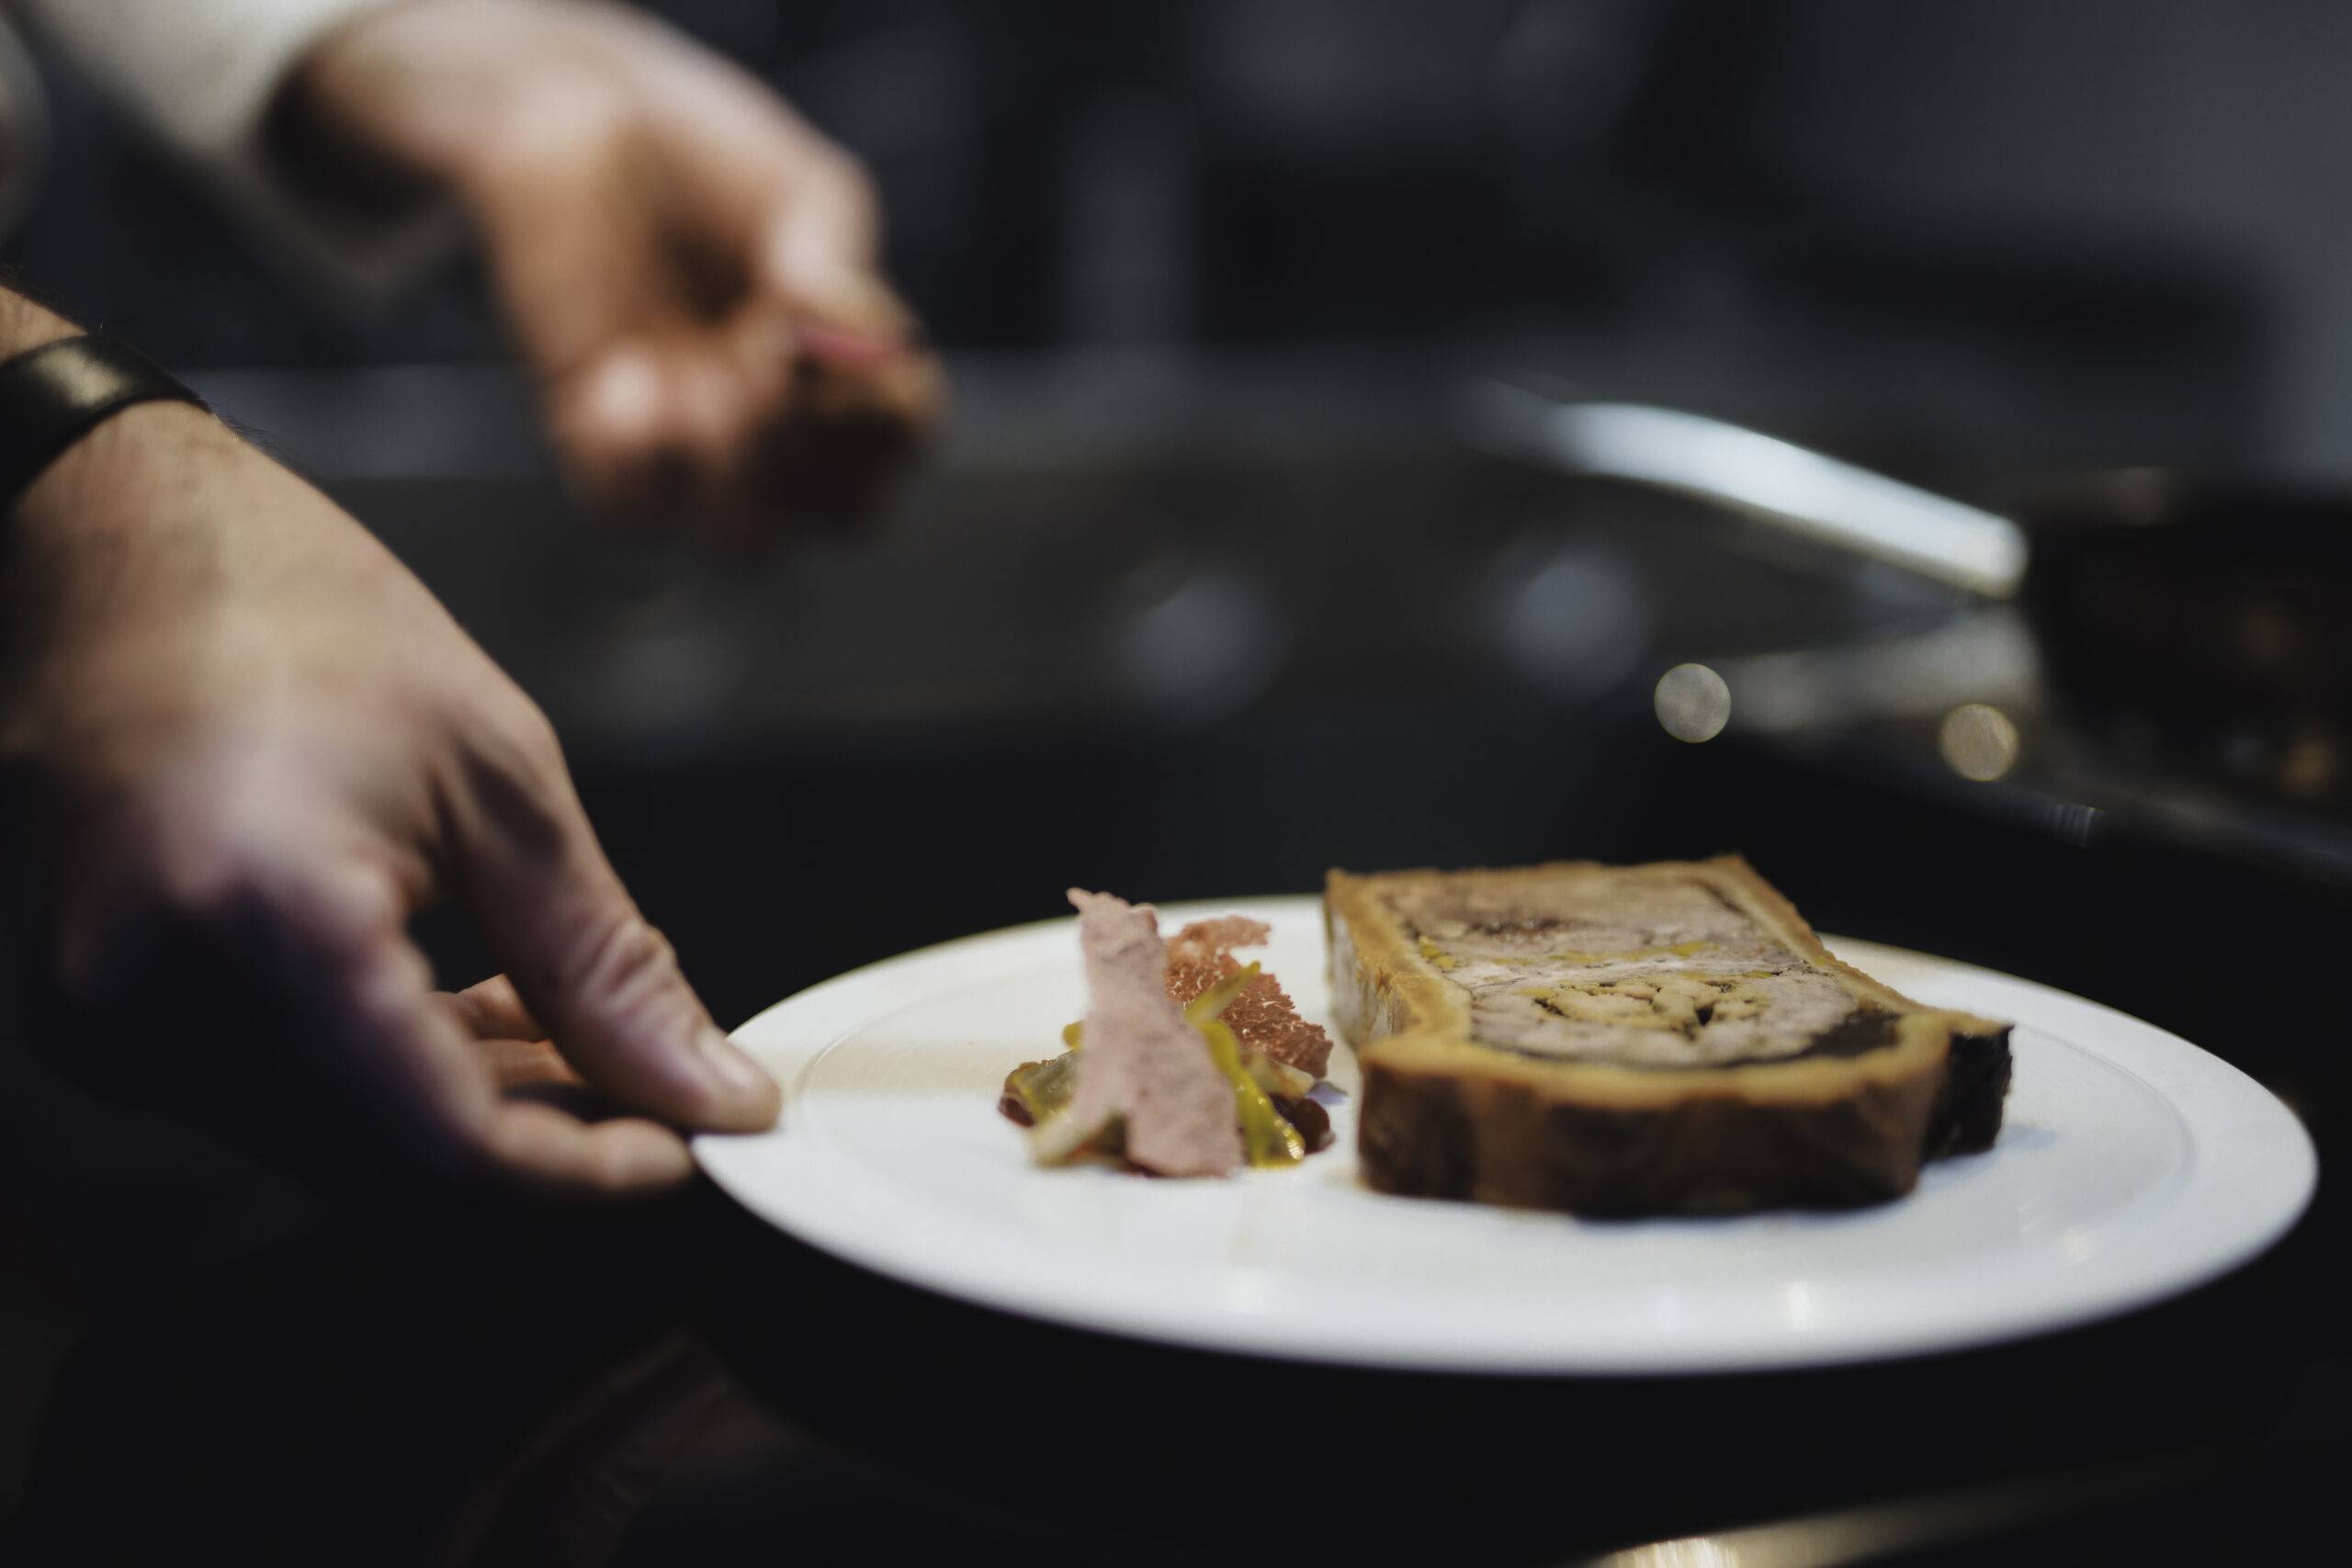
(199,75)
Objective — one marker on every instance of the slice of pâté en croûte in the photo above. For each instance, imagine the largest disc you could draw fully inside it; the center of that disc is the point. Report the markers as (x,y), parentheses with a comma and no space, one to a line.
(1638,1040)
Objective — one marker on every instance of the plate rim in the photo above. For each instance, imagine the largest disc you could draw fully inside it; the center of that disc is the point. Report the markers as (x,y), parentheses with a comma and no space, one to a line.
(718,1155)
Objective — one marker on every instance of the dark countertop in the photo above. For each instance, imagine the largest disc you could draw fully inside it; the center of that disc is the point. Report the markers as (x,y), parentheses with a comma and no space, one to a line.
(680,1386)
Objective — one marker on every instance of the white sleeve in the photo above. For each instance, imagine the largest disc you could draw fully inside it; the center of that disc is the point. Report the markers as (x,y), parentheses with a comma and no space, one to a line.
(24,127)
(201,75)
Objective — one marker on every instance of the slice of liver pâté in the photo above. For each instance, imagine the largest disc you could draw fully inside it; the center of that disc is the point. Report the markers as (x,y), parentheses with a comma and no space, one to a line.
(1143,1062)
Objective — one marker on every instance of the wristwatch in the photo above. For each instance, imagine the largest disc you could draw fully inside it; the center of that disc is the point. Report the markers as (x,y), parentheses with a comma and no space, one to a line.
(52,395)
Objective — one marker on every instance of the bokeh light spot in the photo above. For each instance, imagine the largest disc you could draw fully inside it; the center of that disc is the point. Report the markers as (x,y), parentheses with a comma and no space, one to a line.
(1979,741)
(1692,703)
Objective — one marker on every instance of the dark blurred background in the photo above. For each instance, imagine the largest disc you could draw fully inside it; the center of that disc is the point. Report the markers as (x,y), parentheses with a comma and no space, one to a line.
(1214,586)
(1214,280)
(1979,234)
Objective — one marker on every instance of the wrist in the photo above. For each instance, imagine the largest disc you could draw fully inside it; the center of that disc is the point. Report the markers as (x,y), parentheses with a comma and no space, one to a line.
(88,531)
(116,472)
(59,392)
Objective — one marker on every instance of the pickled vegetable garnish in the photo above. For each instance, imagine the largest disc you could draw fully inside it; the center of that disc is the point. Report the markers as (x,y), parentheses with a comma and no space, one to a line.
(1279,1079)
(1038,1095)
(1266,1138)
(1044,1088)
(1060,1137)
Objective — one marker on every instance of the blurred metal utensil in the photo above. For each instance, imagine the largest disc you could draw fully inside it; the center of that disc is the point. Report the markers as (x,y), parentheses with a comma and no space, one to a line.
(1776,482)
(2185,626)
(1989,1518)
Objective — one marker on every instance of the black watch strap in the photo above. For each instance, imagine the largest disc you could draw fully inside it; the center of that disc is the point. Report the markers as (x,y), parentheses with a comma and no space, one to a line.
(52,395)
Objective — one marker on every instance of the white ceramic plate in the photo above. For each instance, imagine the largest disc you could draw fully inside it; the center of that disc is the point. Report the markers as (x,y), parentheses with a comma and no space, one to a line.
(2132,1165)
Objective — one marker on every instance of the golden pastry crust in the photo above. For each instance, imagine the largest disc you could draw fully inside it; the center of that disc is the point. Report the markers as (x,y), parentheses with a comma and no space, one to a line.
(1445,1115)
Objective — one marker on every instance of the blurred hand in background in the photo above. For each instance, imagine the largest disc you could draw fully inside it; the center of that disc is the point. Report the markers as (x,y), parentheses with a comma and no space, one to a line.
(689,269)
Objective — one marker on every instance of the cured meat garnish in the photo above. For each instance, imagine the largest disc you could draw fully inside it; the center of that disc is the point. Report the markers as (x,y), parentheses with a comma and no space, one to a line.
(1262,1017)
(1142,1061)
